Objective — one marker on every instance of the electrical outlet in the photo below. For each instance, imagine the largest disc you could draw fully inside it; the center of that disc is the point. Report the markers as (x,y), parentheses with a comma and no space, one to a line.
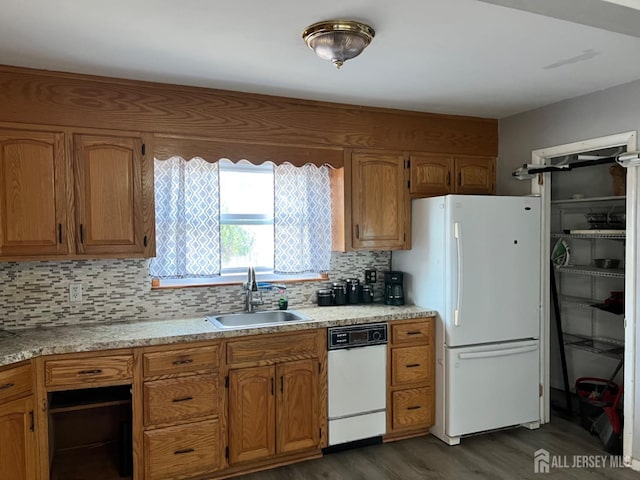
(369,275)
(75,293)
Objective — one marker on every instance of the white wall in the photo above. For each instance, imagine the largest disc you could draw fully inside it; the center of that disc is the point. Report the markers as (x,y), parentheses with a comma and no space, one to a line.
(607,112)
(610,111)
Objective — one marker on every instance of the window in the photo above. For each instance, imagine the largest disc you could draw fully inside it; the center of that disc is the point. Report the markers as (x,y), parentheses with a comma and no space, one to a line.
(214,219)
(246,217)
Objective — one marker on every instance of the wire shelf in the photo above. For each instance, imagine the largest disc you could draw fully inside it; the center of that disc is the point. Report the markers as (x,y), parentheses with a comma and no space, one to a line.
(600,345)
(590,236)
(592,271)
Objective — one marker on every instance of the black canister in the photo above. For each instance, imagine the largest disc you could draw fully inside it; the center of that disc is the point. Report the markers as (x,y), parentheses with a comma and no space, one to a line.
(325,297)
(353,290)
(339,293)
(367,294)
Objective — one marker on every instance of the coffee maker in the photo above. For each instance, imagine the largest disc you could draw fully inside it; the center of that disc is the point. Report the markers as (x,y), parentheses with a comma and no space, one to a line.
(393,291)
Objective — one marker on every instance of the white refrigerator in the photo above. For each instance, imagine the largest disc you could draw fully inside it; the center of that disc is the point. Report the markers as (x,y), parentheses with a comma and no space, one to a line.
(476,261)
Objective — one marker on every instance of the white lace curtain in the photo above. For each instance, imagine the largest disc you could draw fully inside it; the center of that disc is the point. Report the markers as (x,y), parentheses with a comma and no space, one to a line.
(302,219)
(188,219)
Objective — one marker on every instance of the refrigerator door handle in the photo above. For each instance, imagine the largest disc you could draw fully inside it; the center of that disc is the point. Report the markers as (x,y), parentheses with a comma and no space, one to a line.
(497,353)
(457,233)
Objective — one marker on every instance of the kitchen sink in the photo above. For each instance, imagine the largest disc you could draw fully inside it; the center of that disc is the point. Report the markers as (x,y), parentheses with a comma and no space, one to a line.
(271,317)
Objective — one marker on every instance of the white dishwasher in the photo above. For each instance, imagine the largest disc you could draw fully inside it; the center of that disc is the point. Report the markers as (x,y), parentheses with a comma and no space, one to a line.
(357,374)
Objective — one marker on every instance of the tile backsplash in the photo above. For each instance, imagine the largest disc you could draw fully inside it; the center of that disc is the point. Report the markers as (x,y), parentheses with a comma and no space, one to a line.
(36,294)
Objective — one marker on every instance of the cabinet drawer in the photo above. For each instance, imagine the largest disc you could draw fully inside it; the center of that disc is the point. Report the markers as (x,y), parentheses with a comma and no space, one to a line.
(412,333)
(15,381)
(109,370)
(271,347)
(412,408)
(185,450)
(167,401)
(411,365)
(184,360)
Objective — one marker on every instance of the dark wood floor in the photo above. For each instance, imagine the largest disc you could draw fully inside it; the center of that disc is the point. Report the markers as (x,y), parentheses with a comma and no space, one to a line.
(504,455)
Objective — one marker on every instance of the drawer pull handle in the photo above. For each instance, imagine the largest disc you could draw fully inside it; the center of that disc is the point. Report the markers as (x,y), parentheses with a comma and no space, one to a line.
(184,450)
(183,399)
(413,365)
(183,362)
(414,332)
(6,385)
(413,408)
(97,371)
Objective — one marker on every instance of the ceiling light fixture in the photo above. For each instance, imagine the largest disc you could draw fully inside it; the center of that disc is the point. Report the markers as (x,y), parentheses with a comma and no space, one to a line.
(338,40)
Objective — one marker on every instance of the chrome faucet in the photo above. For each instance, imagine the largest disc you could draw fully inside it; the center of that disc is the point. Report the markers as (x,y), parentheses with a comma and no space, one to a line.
(251,288)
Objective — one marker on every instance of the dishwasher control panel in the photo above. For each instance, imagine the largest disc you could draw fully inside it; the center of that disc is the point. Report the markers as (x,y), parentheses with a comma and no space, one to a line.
(353,336)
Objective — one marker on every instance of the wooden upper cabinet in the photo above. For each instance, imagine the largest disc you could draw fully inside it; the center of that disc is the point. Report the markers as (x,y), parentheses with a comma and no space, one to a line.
(17,440)
(438,174)
(33,194)
(108,187)
(379,201)
(430,174)
(298,412)
(475,175)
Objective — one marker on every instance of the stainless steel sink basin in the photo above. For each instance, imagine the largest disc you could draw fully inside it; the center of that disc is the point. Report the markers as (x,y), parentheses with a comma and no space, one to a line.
(234,320)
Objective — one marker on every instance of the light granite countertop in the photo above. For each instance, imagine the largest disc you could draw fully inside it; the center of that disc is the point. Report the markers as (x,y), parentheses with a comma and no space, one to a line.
(25,344)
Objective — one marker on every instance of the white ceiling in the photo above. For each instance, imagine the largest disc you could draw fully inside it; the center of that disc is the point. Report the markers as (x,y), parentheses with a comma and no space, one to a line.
(447,56)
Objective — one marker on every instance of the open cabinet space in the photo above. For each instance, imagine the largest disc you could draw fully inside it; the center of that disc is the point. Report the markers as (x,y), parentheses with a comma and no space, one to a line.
(90,431)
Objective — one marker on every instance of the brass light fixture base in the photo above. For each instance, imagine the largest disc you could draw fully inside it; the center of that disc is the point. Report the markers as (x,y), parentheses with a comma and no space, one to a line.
(338,40)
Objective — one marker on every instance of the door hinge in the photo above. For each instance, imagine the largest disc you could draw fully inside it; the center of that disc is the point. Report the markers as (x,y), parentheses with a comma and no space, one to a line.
(226,381)
(540,390)
(226,453)
(408,183)
(144,149)
(32,426)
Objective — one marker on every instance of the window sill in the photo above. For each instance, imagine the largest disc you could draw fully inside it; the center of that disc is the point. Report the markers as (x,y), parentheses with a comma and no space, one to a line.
(226,280)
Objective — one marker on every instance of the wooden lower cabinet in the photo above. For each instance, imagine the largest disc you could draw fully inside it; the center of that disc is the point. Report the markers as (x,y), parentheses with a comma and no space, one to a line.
(410,373)
(17,440)
(273,410)
(181,451)
(411,408)
(252,414)
(298,413)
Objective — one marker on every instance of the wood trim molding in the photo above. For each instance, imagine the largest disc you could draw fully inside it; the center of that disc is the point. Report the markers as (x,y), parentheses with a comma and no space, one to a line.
(212,151)
(68,100)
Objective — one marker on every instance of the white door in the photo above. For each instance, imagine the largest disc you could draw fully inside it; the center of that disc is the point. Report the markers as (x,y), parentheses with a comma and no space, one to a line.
(491,386)
(494,264)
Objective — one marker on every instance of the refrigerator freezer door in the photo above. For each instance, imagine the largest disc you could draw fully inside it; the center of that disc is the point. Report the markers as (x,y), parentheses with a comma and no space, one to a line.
(491,386)
(493,269)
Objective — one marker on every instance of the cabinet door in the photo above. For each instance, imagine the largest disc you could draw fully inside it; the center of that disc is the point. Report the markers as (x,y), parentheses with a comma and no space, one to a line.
(252,414)
(475,175)
(17,440)
(430,175)
(108,187)
(298,413)
(33,191)
(379,201)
